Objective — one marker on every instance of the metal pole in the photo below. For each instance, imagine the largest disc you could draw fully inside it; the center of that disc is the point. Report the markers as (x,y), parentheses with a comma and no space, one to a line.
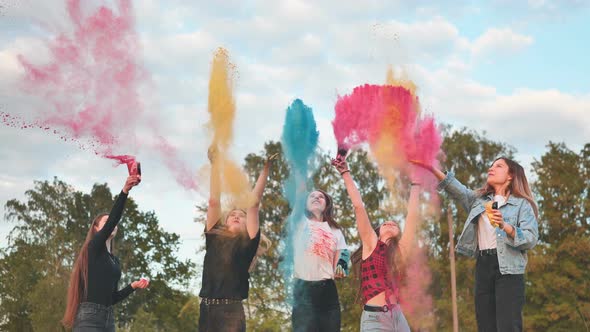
(453,273)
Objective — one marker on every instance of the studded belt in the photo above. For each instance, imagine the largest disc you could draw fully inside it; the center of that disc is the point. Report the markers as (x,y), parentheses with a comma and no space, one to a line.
(209,301)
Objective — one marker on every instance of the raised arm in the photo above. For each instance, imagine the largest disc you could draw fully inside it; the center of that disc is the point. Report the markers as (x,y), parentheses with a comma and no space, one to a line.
(408,240)
(116,212)
(252,221)
(458,191)
(367,234)
(214,204)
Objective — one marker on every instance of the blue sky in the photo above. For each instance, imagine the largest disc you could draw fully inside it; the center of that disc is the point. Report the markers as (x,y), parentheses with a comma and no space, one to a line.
(497,66)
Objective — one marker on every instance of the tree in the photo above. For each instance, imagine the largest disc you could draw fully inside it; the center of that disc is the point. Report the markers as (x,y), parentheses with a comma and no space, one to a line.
(50,227)
(558,293)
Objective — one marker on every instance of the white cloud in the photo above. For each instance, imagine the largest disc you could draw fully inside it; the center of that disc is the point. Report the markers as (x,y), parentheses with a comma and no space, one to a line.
(500,41)
(283,50)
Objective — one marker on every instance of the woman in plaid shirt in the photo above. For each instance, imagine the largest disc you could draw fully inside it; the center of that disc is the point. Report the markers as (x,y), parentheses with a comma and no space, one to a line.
(378,261)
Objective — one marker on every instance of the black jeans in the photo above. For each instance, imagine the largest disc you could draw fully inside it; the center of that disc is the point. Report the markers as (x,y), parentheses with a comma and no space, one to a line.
(94,317)
(222,318)
(316,306)
(499,299)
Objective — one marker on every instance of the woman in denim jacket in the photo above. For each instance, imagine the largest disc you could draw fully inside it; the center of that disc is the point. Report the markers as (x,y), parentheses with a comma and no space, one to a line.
(498,238)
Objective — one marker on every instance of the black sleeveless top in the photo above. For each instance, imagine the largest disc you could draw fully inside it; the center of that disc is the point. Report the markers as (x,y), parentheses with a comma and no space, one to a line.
(225,268)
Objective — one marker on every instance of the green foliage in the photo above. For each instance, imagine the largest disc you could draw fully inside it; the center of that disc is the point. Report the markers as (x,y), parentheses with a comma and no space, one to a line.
(50,227)
(558,291)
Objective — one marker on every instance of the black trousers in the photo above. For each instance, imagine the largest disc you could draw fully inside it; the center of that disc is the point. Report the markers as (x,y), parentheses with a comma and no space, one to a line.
(222,318)
(499,299)
(316,306)
(94,317)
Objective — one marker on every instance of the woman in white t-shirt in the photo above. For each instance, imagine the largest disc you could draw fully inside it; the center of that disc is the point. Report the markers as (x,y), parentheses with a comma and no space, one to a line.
(318,242)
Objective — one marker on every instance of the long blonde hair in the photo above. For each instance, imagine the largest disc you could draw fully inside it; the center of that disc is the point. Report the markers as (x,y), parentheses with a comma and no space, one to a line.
(518,186)
(220,228)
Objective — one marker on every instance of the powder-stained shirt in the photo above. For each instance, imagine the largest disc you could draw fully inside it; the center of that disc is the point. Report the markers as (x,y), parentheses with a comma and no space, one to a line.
(316,245)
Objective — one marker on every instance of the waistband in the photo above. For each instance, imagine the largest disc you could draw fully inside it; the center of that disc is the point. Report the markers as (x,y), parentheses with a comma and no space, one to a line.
(315,283)
(94,306)
(488,252)
(383,308)
(209,301)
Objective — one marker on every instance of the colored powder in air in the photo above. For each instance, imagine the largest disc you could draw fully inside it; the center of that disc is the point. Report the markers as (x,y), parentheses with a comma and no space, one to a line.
(356,116)
(222,106)
(222,109)
(395,130)
(299,141)
(91,84)
(414,297)
(300,137)
(123,159)
(387,118)
(425,147)
(402,80)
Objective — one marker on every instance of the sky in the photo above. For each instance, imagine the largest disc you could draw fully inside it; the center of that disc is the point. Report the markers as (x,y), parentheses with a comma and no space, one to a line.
(516,70)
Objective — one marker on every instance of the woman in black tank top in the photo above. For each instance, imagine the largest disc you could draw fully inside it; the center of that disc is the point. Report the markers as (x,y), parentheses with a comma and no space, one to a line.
(231,246)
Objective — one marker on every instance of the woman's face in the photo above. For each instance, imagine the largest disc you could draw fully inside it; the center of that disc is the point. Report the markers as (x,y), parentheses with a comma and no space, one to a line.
(236,221)
(100,224)
(389,230)
(316,202)
(498,173)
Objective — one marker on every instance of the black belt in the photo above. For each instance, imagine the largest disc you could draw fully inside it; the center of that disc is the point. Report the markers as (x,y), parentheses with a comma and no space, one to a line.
(209,301)
(488,252)
(383,308)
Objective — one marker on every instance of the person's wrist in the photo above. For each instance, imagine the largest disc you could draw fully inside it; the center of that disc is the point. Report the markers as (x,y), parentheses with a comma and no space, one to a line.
(345,171)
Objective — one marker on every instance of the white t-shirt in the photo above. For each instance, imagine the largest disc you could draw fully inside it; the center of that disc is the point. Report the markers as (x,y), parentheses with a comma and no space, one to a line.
(316,244)
(486,233)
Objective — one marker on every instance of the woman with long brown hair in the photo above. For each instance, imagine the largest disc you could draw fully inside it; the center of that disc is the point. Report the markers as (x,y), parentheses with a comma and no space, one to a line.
(318,242)
(231,242)
(501,226)
(93,288)
(379,261)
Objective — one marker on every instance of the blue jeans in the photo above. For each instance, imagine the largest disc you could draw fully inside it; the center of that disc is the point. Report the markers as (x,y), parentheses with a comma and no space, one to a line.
(392,320)
(94,317)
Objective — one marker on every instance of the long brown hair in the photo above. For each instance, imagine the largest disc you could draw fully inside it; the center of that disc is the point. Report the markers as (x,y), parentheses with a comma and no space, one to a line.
(328,214)
(78,288)
(519,186)
(220,228)
(393,258)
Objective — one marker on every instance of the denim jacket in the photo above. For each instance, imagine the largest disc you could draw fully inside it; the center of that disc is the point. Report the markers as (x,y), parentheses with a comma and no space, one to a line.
(517,212)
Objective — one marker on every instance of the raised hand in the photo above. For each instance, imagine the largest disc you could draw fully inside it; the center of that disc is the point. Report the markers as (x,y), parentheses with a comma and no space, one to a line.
(340,165)
(132,181)
(212,153)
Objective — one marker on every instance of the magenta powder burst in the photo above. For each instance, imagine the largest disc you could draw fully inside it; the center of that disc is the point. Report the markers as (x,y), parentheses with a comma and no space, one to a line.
(380,115)
(91,85)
